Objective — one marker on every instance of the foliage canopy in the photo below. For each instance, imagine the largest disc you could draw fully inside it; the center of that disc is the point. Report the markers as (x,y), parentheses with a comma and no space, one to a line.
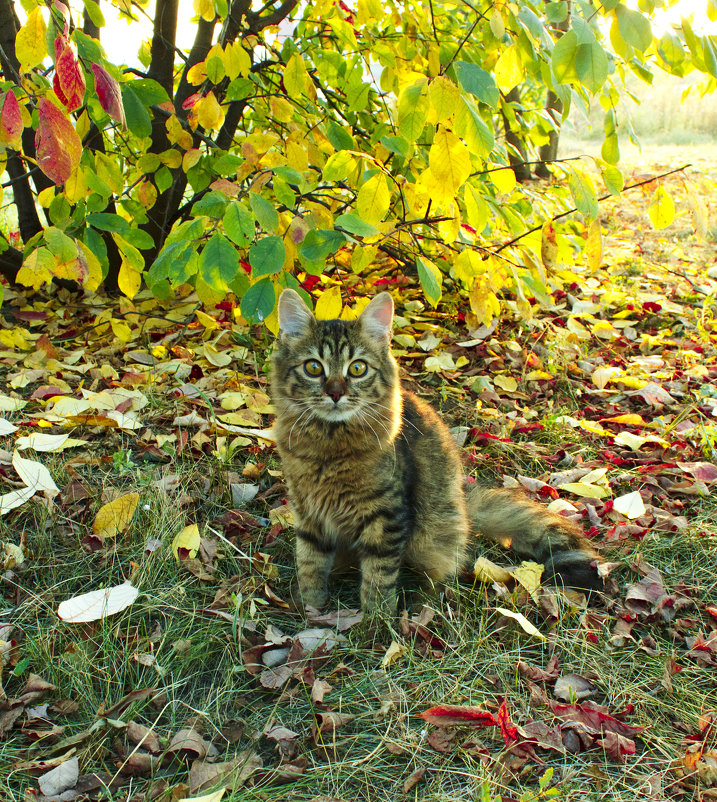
(295,137)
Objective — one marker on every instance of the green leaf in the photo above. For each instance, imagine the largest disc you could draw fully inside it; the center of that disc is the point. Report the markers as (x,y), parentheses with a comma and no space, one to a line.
(240,88)
(635,28)
(355,225)
(320,243)
(138,119)
(60,245)
(95,13)
(413,108)
(149,91)
(174,254)
(258,301)
(431,280)
(612,178)
(266,214)
(556,12)
(266,256)
(470,125)
(339,137)
(397,145)
(239,224)
(591,65)
(583,192)
(218,262)
(339,166)
(562,60)
(610,150)
(213,205)
(671,49)
(106,221)
(478,82)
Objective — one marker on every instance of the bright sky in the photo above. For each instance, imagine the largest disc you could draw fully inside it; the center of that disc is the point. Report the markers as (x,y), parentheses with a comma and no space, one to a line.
(121,40)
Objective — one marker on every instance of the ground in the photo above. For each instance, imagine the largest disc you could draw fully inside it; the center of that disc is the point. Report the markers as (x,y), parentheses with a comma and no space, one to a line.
(603,404)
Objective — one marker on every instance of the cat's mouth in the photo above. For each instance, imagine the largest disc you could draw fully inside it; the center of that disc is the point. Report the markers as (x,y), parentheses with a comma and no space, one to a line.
(336,413)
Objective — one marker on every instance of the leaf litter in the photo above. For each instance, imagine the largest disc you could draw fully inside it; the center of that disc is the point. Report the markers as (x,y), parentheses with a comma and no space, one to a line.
(603,408)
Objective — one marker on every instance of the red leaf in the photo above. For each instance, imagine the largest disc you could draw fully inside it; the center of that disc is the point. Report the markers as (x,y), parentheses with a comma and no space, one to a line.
(10,119)
(57,145)
(507,730)
(445,715)
(617,746)
(594,717)
(65,14)
(69,74)
(109,94)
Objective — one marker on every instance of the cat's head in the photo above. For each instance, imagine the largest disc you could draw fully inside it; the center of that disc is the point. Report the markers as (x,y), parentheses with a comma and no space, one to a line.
(334,370)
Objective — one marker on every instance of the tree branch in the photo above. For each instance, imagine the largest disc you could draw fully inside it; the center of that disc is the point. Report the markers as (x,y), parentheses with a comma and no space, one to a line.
(575,209)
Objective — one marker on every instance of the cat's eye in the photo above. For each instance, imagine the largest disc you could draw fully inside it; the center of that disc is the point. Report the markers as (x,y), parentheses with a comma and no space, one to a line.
(358,368)
(313,367)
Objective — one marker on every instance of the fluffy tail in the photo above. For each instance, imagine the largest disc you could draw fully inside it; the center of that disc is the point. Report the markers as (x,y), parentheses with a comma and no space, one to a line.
(531,531)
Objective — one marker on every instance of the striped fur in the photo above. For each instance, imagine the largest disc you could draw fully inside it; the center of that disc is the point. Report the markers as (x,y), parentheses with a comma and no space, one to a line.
(373,470)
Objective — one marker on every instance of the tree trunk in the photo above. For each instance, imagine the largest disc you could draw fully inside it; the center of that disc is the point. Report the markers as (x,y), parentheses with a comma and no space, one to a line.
(516,158)
(549,152)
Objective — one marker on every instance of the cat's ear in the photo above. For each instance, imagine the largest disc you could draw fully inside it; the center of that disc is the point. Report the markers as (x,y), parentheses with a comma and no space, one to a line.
(377,317)
(294,315)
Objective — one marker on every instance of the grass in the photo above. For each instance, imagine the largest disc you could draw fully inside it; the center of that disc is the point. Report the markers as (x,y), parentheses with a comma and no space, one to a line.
(194,660)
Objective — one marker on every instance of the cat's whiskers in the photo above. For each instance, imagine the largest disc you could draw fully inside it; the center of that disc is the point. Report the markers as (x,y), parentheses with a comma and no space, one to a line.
(308,408)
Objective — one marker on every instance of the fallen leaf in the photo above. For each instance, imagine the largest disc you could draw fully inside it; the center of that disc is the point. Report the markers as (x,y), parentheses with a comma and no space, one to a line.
(34,475)
(395,652)
(630,505)
(186,543)
(413,779)
(61,778)
(522,621)
(573,688)
(487,571)
(97,604)
(114,517)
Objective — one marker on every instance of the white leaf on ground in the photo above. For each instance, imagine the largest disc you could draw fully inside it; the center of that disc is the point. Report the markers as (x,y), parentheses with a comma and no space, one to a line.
(34,474)
(97,604)
(631,505)
(39,441)
(6,427)
(15,499)
(8,404)
(61,778)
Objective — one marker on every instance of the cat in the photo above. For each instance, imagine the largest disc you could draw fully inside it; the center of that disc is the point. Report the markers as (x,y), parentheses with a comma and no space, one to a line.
(372,469)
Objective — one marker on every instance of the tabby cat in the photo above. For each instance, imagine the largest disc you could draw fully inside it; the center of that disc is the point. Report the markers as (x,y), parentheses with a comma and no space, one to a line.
(373,470)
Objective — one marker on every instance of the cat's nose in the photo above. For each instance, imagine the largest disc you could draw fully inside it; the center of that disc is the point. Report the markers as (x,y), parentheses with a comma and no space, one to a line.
(335,388)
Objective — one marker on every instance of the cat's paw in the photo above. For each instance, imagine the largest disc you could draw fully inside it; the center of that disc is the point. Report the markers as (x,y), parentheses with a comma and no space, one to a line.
(314,597)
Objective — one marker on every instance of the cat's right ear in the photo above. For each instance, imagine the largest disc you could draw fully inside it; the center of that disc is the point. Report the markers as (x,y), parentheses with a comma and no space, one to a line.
(295,317)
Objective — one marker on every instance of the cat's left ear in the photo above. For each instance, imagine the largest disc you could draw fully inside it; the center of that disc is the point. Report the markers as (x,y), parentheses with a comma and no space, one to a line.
(377,317)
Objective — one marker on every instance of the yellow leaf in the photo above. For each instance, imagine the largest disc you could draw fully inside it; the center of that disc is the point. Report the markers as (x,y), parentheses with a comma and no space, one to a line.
(129,281)
(197,73)
(76,187)
(113,518)
(529,575)
(373,199)
(585,490)
(236,61)
(121,330)
(507,383)
(30,47)
(295,76)
(484,302)
(487,571)
(449,159)
(522,621)
(37,269)
(444,95)
(508,70)
(93,277)
(628,418)
(394,652)
(188,541)
(661,209)
(328,307)
(208,113)
(477,210)
(205,9)
(503,180)
(362,257)
(593,246)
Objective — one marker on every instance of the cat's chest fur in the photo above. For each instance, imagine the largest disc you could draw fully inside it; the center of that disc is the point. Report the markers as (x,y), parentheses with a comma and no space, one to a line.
(332,496)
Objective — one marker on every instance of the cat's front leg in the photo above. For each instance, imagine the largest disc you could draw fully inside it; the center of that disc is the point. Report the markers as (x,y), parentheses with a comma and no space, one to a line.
(314,558)
(381,554)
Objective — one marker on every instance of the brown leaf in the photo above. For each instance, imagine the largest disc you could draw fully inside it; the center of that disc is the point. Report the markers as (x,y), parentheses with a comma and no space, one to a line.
(189,740)
(340,620)
(318,690)
(413,779)
(231,774)
(133,696)
(547,674)
(142,736)
(140,764)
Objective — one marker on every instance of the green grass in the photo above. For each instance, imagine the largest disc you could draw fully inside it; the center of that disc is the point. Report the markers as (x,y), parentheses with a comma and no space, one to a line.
(197,668)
